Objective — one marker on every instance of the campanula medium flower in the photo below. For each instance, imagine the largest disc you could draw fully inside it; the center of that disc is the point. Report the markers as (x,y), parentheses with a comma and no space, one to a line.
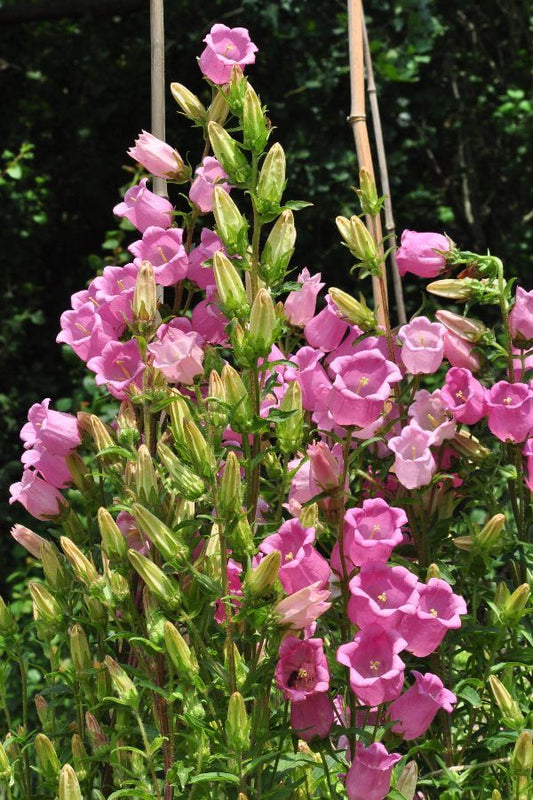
(234,588)
(416,708)
(302,668)
(156,156)
(165,251)
(422,345)
(199,272)
(311,376)
(414,464)
(178,354)
(301,564)
(312,718)
(527,452)
(326,330)
(419,253)
(376,669)
(462,353)
(50,466)
(369,776)
(521,316)
(226,48)
(430,412)
(84,330)
(300,609)
(383,595)
(300,306)
(208,175)
(464,396)
(362,385)
(144,209)
(28,539)
(510,411)
(54,431)
(372,531)
(208,320)
(118,367)
(438,611)
(39,498)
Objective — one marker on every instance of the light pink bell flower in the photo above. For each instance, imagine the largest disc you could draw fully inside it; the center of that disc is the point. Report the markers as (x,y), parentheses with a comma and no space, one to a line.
(312,718)
(302,668)
(301,564)
(234,588)
(39,498)
(209,321)
(300,609)
(521,316)
(527,452)
(54,431)
(118,367)
(311,376)
(84,330)
(510,411)
(29,540)
(439,610)
(416,708)
(165,251)
(464,396)
(369,776)
(376,669)
(326,330)
(414,464)
(430,412)
(202,275)
(326,466)
(461,353)
(178,355)
(372,531)
(50,466)
(208,175)
(143,208)
(383,595)
(422,345)
(112,293)
(362,385)
(226,48)
(300,306)
(156,156)
(419,253)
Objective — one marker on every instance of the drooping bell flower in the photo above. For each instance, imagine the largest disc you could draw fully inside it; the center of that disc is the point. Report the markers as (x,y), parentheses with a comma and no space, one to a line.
(208,175)
(326,330)
(422,345)
(376,669)
(300,306)
(369,776)
(143,208)
(226,48)
(419,253)
(51,467)
(118,367)
(157,156)
(300,609)
(39,498)
(54,431)
(521,316)
(439,610)
(416,708)
(414,464)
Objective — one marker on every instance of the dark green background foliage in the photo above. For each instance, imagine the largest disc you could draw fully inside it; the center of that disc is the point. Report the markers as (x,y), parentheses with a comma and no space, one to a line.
(74,75)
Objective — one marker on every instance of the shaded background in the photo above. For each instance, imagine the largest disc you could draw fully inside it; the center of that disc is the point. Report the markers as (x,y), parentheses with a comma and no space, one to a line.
(453,83)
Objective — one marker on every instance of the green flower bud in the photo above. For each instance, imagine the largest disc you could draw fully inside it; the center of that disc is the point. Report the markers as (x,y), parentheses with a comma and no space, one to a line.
(5,767)
(522,758)
(180,653)
(179,411)
(236,89)
(69,787)
(184,480)
(45,607)
(97,738)
(79,472)
(84,570)
(455,289)
(309,516)
(360,241)
(468,446)
(146,484)
(165,588)
(271,184)
(255,130)
(230,287)
(97,611)
(41,707)
(145,299)
(406,783)
(488,539)
(127,429)
(513,608)
(102,434)
(216,401)
(263,324)
(433,571)
(218,110)
(368,197)
(114,542)
(241,537)
(122,683)
(189,103)
(289,431)
(8,626)
(167,542)
(229,154)
(511,713)
(47,757)
(278,248)
(79,756)
(495,795)
(463,542)
(79,650)
(54,568)
(260,580)
(237,723)
(353,311)
(237,398)
(230,490)
(199,451)
(240,344)
(119,586)
(241,670)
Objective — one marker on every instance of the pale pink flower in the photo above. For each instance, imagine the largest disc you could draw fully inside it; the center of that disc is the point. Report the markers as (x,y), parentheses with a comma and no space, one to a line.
(209,321)
(461,353)
(311,376)
(52,467)
(302,608)
(54,431)
(326,330)
(369,776)
(118,367)
(372,531)
(376,670)
(414,464)
(510,411)
(226,47)
(84,330)
(521,316)
(430,412)
(362,385)
(143,208)
(202,275)
(422,345)
(416,708)
(39,498)
(165,251)
(156,156)
(464,396)
(31,541)
(300,306)
(208,175)
(178,355)
(419,253)
(438,611)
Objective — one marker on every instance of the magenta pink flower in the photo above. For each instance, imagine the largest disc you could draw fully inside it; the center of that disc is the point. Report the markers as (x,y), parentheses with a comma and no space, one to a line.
(510,411)
(373,531)
(429,411)
(226,48)
(84,330)
(414,464)
(39,498)
(54,431)
(521,316)
(209,244)
(156,156)
(50,466)
(362,385)
(302,668)
(119,367)
(311,376)
(464,396)
(112,293)
(300,609)
(383,595)
(438,611)
(234,588)
(325,466)
(326,330)
(312,718)
(165,251)
(143,208)
(461,353)
(422,345)
(209,321)
(300,306)
(415,709)
(419,253)
(301,564)
(376,669)
(178,355)
(369,776)
(208,175)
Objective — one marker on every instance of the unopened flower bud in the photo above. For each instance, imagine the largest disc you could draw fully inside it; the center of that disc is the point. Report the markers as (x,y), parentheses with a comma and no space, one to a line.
(8,626)
(231,225)
(241,537)
(260,580)
(230,489)
(127,428)
(122,683)
(45,606)
(522,758)
(241,670)
(179,411)
(216,401)
(119,586)
(97,738)
(489,539)
(359,240)
(237,723)
(102,434)
(5,766)
(145,297)
(468,446)
(433,571)
(463,542)
(146,477)
(368,197)
(41,707)
(289,431)
(454,289)
(54,568)
(188,102)
(165,588)
(79,472)
(179,651)
(278,249)
(236,89)
(271,184)
(495,795)
(473,330)
(97,611)
(218,110)
(184,480)
(167,542)
(309,516)
(237,398)
(79,756)
(199,450)
(79,650)
(230,287)
(69,787)
(228,153)
(513,608)
(47,757)
(262,331)
(353,311)
(255,130)
(84,570)
(406,783)
(29,540)
(511,713)
(113,541)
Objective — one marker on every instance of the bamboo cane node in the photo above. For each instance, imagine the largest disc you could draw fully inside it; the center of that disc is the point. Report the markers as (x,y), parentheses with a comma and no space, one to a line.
(353,118)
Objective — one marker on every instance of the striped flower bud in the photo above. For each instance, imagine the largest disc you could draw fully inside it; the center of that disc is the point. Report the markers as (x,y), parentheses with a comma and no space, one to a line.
(368,197)
(145,298)
(406,783)
(179,651)
(8,626)
(45,607)
(216,401)
(271,184)
(5,766)
(79,756)
(510,710)
(27,539)
(513,608)
(254,124)
(79,650)
(54,568)
(473,330)
(184,480)
(289,431)
(188,102)
(79,472)
(359,240)
(47,757)
(146,483)
(522,757)
(231,225)
(41,707)
(262,331)
(230,488)
(101,433)
(113,541)
(97,738)
(260,580)
(69,787)
(199,450)
(228,154)
(167,542)
(122,683)
(278,248)
(237,398)
(230,287)
(353,311)
(84,570)
(237,723)
(454,289)
(164,588)
(218,110)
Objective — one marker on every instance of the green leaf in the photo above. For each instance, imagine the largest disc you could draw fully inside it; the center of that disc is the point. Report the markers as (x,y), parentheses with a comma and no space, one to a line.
(215,777)
(470,695)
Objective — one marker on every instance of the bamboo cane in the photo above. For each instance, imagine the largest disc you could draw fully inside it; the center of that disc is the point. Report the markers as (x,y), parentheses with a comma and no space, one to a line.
(157,53)
(390,227)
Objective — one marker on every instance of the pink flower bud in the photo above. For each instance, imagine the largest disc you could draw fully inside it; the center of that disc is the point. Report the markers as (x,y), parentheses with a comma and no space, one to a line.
(156,156)
(419,254)
(302,608)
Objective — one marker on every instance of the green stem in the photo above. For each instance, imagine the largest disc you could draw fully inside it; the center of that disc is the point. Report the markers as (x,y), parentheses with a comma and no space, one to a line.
(504,308)
(149,758)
